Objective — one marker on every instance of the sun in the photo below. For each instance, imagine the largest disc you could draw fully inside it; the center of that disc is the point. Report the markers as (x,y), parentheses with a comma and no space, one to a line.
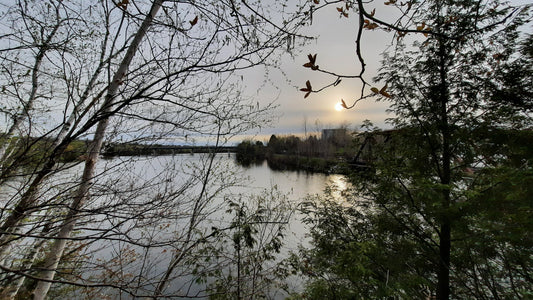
(338,106)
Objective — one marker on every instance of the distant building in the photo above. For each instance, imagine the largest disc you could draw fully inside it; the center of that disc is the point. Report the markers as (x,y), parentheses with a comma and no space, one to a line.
(334,134)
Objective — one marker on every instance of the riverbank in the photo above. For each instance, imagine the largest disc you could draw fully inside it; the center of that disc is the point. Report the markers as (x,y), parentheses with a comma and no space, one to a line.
(302,163)
(140,149)
(328,166)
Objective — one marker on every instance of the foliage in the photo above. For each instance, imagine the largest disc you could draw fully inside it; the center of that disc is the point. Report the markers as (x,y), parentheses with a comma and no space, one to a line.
(384,242)
(309,164)
(313,146)
(310,154)
(248,152)
(446,210)
(131,72)
(245,261)
(31,153)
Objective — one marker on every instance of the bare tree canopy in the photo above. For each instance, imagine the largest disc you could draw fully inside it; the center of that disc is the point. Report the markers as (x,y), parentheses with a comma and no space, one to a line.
(77,75)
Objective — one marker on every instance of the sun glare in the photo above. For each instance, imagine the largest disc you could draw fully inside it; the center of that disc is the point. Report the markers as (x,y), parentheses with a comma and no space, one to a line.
(338,106)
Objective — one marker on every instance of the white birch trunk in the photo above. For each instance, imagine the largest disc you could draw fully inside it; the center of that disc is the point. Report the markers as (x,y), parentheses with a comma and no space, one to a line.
(31,99)
(54,255)
(12,226)
(10,291)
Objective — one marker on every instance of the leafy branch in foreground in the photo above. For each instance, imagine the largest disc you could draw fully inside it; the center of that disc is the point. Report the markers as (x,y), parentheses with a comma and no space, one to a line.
(440,213)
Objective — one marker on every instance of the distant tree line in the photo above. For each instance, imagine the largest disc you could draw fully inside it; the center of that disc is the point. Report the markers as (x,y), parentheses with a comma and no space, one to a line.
(133,149)
(30,150)
(317,154)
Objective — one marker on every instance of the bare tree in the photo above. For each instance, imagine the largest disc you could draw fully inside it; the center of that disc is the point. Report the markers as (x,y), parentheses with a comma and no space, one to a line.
(126,70)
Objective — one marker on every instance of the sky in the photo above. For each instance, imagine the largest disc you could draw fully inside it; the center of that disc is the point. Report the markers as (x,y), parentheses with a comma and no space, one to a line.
(335,49)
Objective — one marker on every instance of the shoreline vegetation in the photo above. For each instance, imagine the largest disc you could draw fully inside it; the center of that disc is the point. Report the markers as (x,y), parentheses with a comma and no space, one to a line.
(331,154)
(283,153)
(134,149)
(333,151)
(336,151)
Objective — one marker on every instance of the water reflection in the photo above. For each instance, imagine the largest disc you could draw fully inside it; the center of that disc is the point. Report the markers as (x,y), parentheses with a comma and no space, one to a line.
(298,186)
(173,171)
(338,184)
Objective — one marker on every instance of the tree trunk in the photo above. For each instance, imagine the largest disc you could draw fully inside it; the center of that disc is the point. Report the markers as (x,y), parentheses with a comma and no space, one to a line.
(28,106)
(54,255)
(12,289)
(443,273)
(28,198)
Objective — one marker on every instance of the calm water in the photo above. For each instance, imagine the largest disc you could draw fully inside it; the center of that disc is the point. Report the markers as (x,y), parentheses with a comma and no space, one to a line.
(253,179)
(183,175)
(296,184)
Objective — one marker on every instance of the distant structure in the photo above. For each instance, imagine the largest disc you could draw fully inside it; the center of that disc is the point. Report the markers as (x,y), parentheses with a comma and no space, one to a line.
(334,134)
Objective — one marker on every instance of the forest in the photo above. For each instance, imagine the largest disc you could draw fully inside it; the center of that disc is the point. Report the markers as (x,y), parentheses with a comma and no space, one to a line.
(443,211)
(311,153)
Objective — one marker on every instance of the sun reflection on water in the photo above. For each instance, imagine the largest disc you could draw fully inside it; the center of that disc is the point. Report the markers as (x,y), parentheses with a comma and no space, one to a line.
(338,185)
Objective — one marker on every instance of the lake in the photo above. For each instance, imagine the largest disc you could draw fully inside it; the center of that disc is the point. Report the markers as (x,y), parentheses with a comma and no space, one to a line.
(155,219)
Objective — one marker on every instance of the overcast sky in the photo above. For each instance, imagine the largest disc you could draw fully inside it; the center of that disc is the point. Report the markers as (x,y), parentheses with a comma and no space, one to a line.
(335,49)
